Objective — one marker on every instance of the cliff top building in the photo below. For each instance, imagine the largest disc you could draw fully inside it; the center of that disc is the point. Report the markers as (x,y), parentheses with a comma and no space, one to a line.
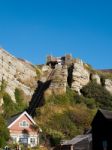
(67,60)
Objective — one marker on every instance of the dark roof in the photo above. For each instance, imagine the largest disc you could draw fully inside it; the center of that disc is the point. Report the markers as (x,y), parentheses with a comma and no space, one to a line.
(78,139)
(107,114)
(13,118)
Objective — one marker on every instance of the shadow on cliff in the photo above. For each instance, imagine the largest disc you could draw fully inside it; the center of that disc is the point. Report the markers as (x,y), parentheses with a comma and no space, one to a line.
(38,99)
(70,75)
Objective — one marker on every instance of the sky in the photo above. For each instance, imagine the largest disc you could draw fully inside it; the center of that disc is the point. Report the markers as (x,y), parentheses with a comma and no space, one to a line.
(33,29)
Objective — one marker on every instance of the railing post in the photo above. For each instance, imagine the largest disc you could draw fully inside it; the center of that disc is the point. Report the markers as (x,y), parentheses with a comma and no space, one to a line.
(71,147)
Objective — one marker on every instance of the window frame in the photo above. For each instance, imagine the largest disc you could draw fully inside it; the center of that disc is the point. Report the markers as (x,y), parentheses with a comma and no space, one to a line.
(21,124)
(33,140)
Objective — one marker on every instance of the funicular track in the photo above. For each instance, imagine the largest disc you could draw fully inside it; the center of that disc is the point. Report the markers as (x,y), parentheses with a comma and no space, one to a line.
(37,98)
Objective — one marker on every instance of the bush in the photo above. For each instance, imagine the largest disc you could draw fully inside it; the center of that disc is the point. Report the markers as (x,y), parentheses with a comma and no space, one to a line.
(101,96)
(38,72)
(79,99)
(2,141)
(90,102)
(9,106)
(67,98)
(60,126)
(2,88)
(4,133)
(20,99)
(81,116)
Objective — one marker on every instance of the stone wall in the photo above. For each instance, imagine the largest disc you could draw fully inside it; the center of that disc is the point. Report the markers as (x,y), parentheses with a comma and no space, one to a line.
(17,73)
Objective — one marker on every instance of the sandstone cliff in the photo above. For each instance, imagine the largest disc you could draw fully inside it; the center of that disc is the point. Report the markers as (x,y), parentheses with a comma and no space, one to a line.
(66,72)
(71,72)
(17,73)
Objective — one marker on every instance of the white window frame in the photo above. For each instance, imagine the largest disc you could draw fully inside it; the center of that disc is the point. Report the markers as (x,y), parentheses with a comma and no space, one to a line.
(31,140)
(21,124)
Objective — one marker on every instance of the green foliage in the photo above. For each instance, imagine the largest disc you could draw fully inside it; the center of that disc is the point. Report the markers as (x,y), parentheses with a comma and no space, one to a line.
(101,96)
(4,133)
(19,95)
(90,102)
(105,75)
(60,122)
(81,116)
(2,141)
(60,126)
(67,98)
(79,99)
(2,88)
(63,124)
(20,100)
(38,72)
(9,106)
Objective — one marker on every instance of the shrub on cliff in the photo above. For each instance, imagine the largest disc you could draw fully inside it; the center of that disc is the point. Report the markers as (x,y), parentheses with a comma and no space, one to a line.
(9,106)
(4,133)
(20,99)
(67,98)
(60,122)
(60,126)
(101,96)
(2,88)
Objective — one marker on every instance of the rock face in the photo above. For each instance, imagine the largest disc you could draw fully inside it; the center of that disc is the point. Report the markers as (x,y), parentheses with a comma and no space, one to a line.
(108,85)
(59,79)
(17,73)
(58,75)
(96,77)
(81,76)
(67,72)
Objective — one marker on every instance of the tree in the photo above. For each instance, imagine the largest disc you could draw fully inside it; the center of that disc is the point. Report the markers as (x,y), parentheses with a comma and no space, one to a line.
(4,133)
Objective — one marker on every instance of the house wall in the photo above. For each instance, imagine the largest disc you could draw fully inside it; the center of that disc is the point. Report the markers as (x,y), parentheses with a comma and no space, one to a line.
(16,138)
(17,132)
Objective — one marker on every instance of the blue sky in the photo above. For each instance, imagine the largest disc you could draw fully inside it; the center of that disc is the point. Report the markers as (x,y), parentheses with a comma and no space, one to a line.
(32,29)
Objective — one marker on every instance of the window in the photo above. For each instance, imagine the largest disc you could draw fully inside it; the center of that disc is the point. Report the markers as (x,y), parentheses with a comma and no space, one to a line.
(32,140)
(24,124)
(23,140)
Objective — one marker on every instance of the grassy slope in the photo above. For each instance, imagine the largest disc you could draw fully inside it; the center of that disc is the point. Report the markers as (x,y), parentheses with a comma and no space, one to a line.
(63,118)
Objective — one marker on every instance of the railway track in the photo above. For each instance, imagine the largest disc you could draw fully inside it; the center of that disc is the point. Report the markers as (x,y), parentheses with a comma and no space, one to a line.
(37,98)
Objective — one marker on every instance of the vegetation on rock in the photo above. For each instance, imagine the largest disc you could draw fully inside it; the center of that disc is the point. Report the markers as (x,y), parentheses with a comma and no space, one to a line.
(63,117)
(9,108)
(103,99)
(4,133)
